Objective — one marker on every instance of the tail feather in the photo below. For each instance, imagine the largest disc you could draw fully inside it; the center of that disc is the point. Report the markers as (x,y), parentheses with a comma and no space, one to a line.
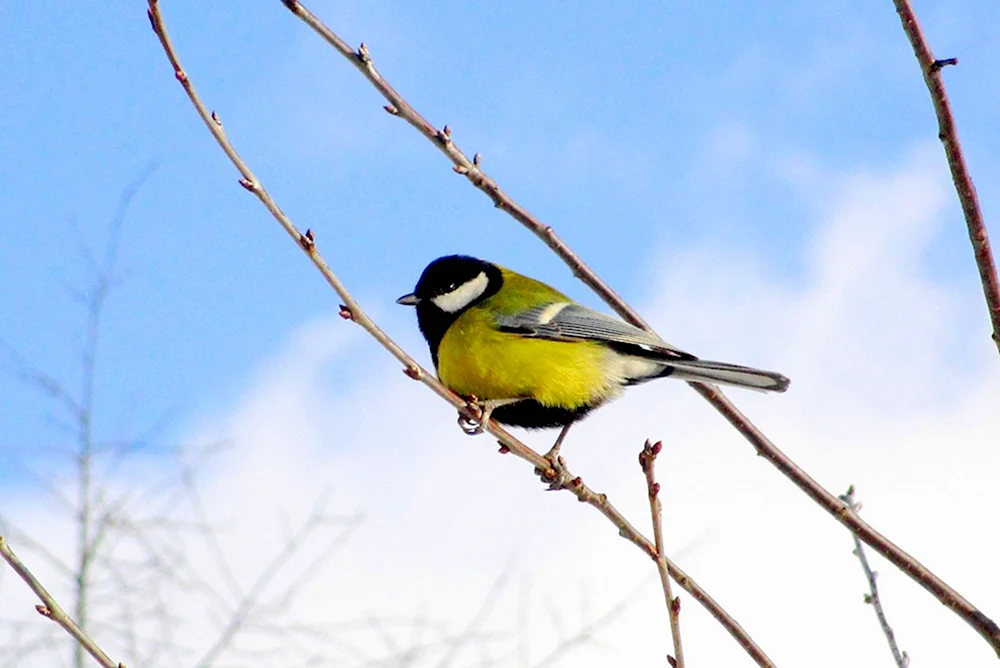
(728,374)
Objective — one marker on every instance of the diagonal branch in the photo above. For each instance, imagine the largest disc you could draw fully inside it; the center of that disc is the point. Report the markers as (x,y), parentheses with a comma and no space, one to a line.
(470,169)
(948,134)
(51,609)
(553,472)
(948,596)
(561,478)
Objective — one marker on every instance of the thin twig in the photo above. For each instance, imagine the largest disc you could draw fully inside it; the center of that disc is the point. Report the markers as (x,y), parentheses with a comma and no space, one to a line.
(22,370)
(51,609)
(480,618)
(948,134)
(90,497)
(242,612)
(30,544)
(872,597)
(561,478)
(647,461)
(937,587)
(555,473)
(565,646)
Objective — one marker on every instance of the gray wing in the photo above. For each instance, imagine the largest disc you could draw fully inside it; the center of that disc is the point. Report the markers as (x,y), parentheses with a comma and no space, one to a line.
(565,321)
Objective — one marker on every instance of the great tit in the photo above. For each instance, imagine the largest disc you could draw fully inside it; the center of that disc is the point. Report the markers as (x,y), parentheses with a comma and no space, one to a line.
(534,357)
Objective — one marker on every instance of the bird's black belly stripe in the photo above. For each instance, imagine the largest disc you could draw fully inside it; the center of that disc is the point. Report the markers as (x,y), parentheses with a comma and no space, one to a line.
(533,415)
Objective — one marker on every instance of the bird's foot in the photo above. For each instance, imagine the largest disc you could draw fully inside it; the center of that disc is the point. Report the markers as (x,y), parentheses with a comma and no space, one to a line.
(555,475)
(481,412)
(553,454)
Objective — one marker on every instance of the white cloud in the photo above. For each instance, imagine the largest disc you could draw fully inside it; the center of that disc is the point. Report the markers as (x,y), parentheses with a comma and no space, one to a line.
(875,400)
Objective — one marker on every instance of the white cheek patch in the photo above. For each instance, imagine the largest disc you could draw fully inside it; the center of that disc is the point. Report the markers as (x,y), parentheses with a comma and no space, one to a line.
(463,295)
(550,312)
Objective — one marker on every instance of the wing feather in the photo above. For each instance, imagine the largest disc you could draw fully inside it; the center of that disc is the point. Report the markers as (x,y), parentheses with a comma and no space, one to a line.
(572,322)
(566,321)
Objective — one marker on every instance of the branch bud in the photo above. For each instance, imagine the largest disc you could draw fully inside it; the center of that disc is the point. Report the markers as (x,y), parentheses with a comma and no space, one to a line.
(307,241)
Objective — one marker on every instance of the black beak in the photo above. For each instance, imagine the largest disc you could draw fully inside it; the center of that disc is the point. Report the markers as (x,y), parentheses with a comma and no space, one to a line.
(408,300)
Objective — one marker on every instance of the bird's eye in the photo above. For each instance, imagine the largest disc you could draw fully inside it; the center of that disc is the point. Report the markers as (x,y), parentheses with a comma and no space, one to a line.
(452,286)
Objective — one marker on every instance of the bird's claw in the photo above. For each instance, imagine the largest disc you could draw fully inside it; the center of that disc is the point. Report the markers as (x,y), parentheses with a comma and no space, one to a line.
(470,426)
(477,413)
(474,423)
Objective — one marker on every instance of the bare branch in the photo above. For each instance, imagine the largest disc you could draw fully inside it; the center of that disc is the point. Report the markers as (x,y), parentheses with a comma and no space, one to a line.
(470,169)
(948,134)
(948,596)
(559,477)
(51,609)
(242,613)
(27,373)
(305,575)
(588,630)
(872,597)
(211,538)
(647,461)
(90,499)
(479,618)
(553,472)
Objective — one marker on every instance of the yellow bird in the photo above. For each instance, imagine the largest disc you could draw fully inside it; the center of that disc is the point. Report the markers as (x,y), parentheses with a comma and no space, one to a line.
(533,357)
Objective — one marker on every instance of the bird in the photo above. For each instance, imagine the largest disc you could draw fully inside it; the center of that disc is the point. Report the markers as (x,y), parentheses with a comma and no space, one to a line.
(531,357)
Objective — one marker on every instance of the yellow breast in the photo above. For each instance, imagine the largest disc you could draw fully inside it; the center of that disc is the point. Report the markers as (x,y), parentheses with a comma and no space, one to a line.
(476,359)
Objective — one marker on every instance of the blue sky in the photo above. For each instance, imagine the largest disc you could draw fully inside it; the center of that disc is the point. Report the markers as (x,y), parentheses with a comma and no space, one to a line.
(748,154)
(607,131)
